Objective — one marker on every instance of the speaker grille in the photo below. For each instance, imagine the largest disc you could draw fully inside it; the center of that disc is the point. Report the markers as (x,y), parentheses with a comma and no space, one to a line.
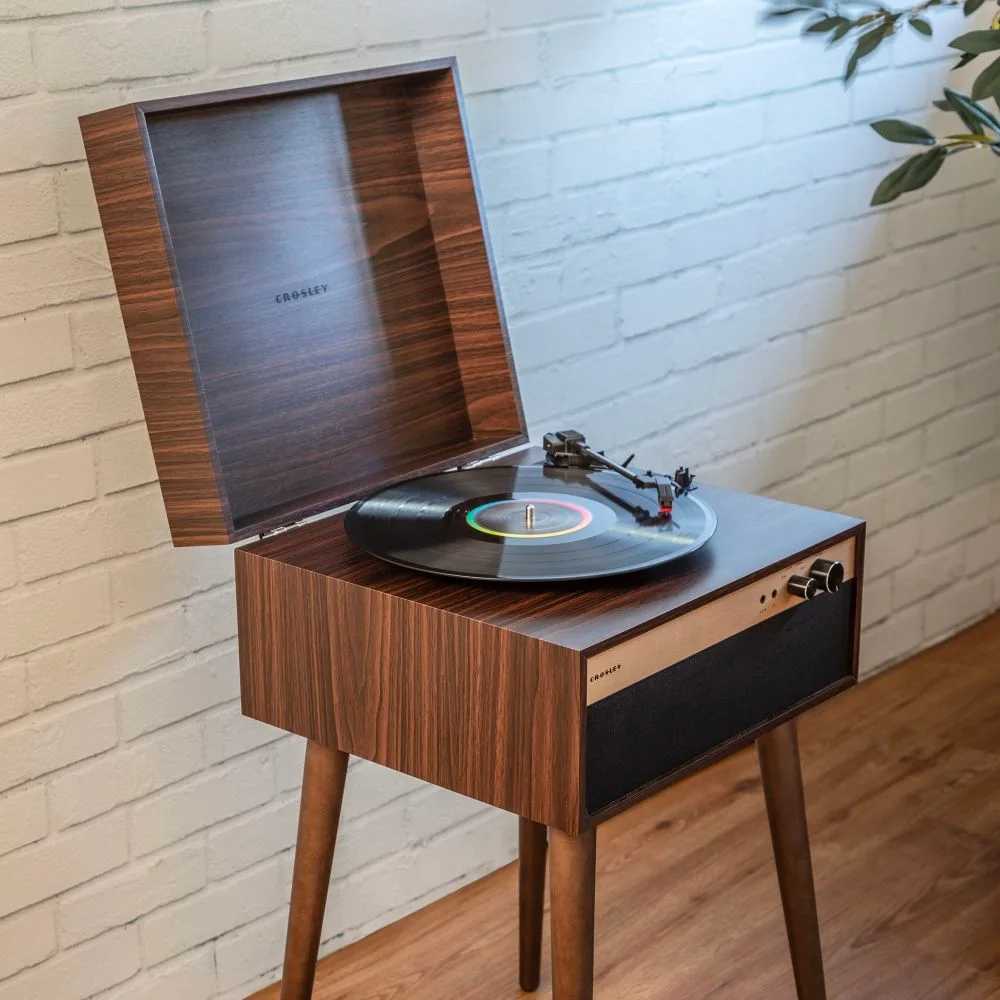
(672,718)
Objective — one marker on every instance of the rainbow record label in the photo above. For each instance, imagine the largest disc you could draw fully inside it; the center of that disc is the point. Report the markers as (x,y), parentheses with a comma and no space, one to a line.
(527,518)
(526,523)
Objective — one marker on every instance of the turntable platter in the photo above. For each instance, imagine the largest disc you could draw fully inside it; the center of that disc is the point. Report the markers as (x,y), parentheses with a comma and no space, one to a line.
(526,523)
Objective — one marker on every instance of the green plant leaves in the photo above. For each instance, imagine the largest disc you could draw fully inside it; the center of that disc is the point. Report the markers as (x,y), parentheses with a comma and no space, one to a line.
(868,23)
(977,42)
(867,44)
(988,82)
(911,174)
(838,33)
(899,131)
(803,7)
(925,169)
(976,118)
(825,24)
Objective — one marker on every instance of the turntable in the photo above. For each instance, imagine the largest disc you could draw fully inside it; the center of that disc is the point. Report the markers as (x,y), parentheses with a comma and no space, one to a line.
(307,288)
(576,517)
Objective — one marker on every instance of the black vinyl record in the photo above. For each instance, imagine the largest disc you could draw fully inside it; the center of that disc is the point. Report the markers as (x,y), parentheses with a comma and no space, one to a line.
(526,523)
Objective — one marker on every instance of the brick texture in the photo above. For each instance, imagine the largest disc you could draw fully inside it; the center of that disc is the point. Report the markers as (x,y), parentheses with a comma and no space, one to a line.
(678,200)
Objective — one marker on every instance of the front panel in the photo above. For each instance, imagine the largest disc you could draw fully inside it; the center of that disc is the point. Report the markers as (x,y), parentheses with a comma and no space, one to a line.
(662,701)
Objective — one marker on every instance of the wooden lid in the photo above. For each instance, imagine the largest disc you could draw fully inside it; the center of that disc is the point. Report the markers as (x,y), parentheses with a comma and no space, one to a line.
(308,292)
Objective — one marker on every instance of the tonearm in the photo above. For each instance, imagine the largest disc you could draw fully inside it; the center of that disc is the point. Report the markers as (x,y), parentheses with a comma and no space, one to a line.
(569,450)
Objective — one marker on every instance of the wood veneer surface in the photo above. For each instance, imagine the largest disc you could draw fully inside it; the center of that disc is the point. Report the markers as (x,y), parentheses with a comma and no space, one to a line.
(901,778)
(308,291)
(754,534)
(324,191)
(468,706)
(151,309)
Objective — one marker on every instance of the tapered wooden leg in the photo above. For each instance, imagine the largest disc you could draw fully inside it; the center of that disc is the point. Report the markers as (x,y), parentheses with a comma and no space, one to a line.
(572,876)
(778,752)
(319,814)
(531,902)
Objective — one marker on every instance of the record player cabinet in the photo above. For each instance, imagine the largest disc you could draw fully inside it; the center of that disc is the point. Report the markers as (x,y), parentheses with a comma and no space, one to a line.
(311,307)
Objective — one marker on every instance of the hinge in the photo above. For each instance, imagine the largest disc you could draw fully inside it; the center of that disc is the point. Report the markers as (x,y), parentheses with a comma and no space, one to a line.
(280,530)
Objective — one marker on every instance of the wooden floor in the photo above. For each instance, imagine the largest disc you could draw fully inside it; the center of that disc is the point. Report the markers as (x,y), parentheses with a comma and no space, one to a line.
(903,782)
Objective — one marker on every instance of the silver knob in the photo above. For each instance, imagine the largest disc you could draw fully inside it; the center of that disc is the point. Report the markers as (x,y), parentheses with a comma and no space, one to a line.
(802,586)
(828,574)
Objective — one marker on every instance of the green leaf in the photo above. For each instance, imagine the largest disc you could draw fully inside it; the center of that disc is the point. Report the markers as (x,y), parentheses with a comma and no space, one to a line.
(867,44)
(925,169)
(825,24)
(966,58)
(976,117)
(943,106)
(988,82)
(776,12)
(971,6)
(899,131)
(803,7)
(891,186)
(919,25)
(912,174)
(977,42)
(838,33)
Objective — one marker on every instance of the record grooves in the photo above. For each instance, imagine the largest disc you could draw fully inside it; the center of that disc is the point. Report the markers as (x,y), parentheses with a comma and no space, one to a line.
(527,523)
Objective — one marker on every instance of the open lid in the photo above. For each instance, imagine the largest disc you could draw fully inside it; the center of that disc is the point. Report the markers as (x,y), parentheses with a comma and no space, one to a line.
(308,292)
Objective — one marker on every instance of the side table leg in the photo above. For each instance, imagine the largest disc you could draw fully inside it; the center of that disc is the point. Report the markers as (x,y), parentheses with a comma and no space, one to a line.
(778,752)
(319,813)
(572,873)
(531,901)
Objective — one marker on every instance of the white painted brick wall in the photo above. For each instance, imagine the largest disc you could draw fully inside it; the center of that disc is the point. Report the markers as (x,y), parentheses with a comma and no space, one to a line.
(678,202)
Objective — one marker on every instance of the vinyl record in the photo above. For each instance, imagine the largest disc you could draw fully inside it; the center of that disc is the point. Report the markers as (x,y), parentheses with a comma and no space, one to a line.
(526,523)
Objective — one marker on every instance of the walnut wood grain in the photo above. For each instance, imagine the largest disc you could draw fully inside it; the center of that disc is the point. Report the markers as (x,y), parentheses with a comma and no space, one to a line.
(466,705)
(573,875)
(479,688)
(778,752)
(161,353)
(323,780)
(464,257)
(266,405)
(532,848)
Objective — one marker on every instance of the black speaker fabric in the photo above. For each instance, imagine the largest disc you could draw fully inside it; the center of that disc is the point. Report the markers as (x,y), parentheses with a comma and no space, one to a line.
(668,720)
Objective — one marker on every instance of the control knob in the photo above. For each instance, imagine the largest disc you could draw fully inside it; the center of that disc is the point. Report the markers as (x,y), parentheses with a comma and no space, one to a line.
(802,586)
(828,574)
(825,577)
